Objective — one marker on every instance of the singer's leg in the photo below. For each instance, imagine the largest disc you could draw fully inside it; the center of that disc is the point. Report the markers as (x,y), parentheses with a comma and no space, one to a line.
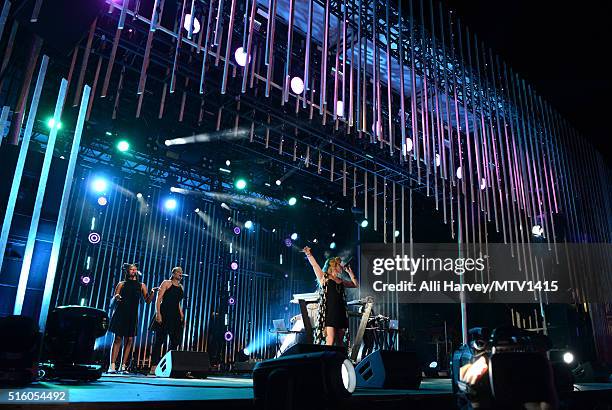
(160,337)
(175,339)
(127,349)
(330,335)
(340,337)
(115,352)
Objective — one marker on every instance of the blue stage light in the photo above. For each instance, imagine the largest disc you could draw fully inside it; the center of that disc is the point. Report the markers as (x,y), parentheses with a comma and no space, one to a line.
(332,245)
(292,201)
(170,204)
(364,223)
(99,185)
(248,224)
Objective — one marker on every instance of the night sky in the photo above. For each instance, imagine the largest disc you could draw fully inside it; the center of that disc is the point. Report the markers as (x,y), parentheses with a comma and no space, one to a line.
(558,47)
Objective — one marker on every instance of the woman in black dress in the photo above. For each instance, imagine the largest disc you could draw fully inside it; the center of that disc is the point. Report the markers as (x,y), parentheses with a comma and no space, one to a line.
(125,318)
(333,319)
(169,316)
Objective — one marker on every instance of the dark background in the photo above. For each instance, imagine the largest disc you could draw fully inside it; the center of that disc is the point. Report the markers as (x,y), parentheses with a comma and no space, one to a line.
(561,48)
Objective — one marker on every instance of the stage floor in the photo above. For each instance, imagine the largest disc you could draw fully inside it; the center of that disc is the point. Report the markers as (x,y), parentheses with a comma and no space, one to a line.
(137,392)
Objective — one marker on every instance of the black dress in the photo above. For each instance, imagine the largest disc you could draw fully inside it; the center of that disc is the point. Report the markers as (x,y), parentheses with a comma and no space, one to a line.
(335,312)
(169,309)
(125,318)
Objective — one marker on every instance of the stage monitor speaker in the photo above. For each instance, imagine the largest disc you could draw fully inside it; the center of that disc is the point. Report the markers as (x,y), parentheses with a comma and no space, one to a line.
(384,369)
(178,364)
(302,348)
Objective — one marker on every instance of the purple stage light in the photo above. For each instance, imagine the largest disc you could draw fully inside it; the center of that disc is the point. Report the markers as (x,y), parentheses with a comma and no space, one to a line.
(231,301)
(85,280)
(237,230)
(234,265)
(288,243)
(228,336)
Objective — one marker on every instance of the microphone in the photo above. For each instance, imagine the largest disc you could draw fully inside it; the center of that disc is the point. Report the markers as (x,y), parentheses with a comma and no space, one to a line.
(345,264)
(139,273)
(185,275)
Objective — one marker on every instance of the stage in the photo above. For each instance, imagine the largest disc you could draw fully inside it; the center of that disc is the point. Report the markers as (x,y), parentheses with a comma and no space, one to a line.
(137,392)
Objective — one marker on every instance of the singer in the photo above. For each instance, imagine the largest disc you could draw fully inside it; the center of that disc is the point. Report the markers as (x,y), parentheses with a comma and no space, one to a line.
(169,317)
(125,317)
(333,318)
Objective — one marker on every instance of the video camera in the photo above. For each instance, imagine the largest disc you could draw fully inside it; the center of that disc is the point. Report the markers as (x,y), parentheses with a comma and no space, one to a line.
(514,364)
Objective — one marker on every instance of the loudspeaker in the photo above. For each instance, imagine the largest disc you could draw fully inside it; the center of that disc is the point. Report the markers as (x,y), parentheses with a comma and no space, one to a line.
(301,348)
(180,364)
(384,369)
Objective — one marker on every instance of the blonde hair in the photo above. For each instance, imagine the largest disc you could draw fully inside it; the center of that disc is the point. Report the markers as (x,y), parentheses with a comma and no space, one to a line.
(332,263)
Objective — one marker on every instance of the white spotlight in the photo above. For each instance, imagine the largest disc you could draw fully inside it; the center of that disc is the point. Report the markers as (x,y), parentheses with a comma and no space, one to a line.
(248,224)
(197,210)
(459,173)
(568,357)
(241,57)
(349,378)
(227,163)
(139,195)
(396,233)
(297,85)
(278,182)
(408,144)
(294,236)
(483,183)
(437,160)
(187,24)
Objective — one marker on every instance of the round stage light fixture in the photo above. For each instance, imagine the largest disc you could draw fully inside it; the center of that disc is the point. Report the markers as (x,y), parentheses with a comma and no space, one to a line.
(170,204)
(459,173)
(246,351)
(123,146)
(294,236)
(248,224)
(297,85)
(240,183)
(437,160)
(568,357)
(340,108)
(52,124)
(433,365)
(187,24)
(278,182)
(102,201)
(139,195)
(99,185)
(364,223)
(94,238)
(237,230)
(85,280)
(234,265)
(228,336)
(396,233)
(228,163)
(231,301)
(292,201)
(537,230)
(197,210)
(288,243)
(241,56)
(332,245)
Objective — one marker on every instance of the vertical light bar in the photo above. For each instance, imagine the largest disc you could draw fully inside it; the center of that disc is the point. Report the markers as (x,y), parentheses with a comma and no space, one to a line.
(3,118)
(6,7)
(307,58)
(323,96)
(77,94)
(391,141)
(23,152)
(61,218)
(270,47)
(40,193)
(191,19)
(288,58)
(206,45)
(179,40)
(400,47)
(228,46)
(245,71)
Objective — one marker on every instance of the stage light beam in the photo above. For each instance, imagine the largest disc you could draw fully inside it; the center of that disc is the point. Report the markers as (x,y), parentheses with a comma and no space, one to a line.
(240,184)
(292,201)
(99,185)
(123,146)
(170,204)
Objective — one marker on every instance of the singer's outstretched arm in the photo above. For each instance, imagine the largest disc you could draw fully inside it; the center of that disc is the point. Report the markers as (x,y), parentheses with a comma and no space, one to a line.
(315,266)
